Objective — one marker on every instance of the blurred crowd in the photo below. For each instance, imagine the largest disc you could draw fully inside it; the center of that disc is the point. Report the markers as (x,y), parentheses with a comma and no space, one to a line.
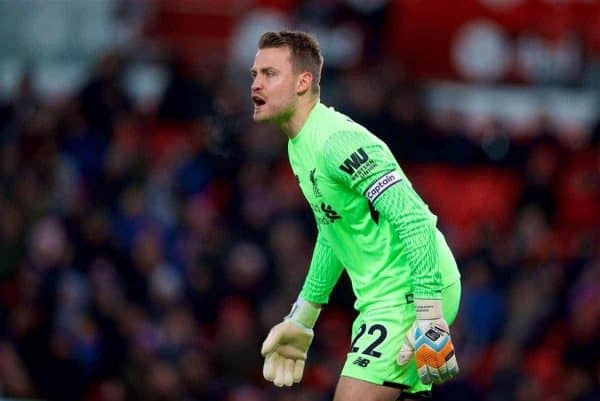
(145,251)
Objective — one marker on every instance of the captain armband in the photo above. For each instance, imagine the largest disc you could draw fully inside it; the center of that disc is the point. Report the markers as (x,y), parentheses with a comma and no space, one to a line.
(382,184)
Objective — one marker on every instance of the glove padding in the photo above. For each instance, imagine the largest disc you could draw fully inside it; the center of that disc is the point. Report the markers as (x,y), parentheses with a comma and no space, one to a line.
(429,340)
(285,350)
(286,347)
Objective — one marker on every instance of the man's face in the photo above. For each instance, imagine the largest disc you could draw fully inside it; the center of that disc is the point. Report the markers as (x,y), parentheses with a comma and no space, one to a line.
(273,85)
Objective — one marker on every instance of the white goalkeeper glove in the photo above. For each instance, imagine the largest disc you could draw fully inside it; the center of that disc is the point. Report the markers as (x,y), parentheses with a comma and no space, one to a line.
(286,347)
(429,340)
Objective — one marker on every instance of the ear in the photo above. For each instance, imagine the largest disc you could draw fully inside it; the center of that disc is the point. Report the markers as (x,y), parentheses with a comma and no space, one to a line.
(304,82)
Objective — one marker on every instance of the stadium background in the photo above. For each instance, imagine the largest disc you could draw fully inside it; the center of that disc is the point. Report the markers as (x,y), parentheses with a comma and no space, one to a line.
(150,234)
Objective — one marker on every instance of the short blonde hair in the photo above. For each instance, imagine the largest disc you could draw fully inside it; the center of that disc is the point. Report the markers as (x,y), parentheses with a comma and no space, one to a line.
(304,48)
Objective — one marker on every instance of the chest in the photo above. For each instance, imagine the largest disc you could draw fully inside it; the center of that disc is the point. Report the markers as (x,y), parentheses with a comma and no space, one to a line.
(325,197)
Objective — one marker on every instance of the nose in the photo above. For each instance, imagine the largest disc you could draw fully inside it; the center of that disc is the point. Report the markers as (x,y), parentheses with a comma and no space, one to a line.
(256,84)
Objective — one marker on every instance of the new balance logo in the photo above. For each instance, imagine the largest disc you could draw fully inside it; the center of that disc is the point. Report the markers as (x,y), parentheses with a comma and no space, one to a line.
(362,362)
(355,160)
(330,213)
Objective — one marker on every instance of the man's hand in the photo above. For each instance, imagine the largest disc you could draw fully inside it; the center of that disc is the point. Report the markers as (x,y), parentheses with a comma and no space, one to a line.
(286,347)
(429,340)
(285,350)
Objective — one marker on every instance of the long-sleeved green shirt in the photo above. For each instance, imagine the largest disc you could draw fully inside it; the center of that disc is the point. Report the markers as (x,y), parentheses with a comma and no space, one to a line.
(370,220)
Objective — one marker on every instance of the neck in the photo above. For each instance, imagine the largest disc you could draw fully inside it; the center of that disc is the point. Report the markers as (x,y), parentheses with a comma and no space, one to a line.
(292,125)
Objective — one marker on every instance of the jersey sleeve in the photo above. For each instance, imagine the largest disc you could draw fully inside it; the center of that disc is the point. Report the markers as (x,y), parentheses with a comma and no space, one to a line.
(324,272)
(365,165)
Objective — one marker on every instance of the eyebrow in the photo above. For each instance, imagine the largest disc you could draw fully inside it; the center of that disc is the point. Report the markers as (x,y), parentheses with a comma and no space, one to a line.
(263,70)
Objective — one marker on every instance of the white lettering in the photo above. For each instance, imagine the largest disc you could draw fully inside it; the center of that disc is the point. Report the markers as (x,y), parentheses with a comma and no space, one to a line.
(381,185)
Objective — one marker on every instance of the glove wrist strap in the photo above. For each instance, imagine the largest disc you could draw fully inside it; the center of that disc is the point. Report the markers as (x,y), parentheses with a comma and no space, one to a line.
(304,313)
(428,309)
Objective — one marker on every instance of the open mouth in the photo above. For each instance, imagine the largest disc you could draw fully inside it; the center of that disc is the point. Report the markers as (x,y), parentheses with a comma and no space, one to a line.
(258,101)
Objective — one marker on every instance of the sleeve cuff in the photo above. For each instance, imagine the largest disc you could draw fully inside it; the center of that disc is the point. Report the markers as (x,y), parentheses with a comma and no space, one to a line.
(304,313)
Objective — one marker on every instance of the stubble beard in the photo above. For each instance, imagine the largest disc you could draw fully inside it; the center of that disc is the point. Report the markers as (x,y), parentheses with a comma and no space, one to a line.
(258,118)
(277,116)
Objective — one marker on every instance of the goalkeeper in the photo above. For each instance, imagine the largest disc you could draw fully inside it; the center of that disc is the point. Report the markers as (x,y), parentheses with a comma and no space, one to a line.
(372,223)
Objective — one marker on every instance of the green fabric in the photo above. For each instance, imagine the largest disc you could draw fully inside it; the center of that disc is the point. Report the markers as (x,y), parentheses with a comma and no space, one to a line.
(368,216)
(378,364)
(417,232)
(324,272)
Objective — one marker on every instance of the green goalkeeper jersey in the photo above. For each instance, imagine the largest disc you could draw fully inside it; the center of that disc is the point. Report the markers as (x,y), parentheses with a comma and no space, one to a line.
(370,220)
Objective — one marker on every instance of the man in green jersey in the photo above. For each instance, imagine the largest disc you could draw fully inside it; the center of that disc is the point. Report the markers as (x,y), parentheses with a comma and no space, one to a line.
(370,222)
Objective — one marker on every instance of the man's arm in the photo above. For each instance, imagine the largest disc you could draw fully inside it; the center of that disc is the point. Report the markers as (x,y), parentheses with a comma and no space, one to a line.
(286,347)
(416,230)
(376,175)
(382,184)
(323,273)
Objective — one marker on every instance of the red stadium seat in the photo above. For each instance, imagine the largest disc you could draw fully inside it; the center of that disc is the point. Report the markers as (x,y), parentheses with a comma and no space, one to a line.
(578,192)
(468,199)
